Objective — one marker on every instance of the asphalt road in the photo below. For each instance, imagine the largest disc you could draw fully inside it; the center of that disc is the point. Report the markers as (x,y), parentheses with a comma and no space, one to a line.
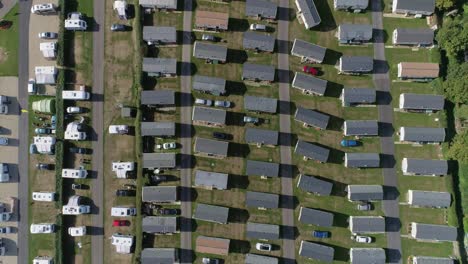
(186,254)
(97,186)
(382,84)
(23,130)
(285,132)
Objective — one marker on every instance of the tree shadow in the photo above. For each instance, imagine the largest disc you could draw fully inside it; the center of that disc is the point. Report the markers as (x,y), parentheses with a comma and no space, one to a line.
(379,35)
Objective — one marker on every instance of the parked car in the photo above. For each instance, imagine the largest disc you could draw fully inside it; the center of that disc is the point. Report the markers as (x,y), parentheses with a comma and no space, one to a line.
(155,179)
(249,119)
(225,104)
(257,27)
(210,261)
(364,206)
(208,37)
(44,166)
(120,223)
(263,247)
(169,145)
(220,135)
(321,234)
(129,186)
(203,102)
(75,110)
(5,230)
(3,141)
(167,211)
(5,24)
(48,35)
(78,150)
(118,27)
(310,70)
(125,193)
(363,239)
(349,143)
(32,89)
(77,186)
(43,130)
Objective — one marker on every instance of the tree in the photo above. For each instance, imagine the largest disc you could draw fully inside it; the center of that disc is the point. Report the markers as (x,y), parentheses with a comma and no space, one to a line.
(458,150)
(456,83)
(444,5)
(453,35)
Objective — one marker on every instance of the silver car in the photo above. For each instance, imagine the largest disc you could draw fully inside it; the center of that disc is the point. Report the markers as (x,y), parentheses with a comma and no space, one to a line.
(3,141)
(203,102)
(225,104)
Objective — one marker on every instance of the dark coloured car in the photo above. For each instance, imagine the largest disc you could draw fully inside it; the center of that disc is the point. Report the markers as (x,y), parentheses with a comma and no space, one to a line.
(125,193)
(5,24)
(78,150)
(321,234)
(118,27)
(155,179)
(76,186)
(44,166)
(167,211)
(220,135)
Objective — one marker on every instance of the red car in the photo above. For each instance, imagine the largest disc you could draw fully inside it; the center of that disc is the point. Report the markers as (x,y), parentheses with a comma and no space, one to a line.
(120,223)
(310,70)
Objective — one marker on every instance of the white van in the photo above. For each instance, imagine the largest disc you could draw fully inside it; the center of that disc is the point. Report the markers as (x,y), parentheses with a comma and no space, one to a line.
(123,211)
(43,196)
(75,21)
(75,95)
(74,173)
(44,9)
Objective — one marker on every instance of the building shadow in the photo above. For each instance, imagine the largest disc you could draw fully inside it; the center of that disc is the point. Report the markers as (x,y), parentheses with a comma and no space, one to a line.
(186,255)
(339,219)
(332,57)
(238,150)
(236,88)
(287,139)
(284,76)
(390,192)
(392,224)
(288,202)
(239,246)
(386,129)
(381,66)
(238,24)
(379,35)
(328,23)
(236,181)
(186,161)
(393,255)
(285,107)
(187,224)
(288,171)
(286,13)
(185,130)
(387,161)
(289,232)
(333,89)
(236,56)
(234,118)
(383,98)
(186,68)
(283,46)
(187,194)
(237,215)
(338,188)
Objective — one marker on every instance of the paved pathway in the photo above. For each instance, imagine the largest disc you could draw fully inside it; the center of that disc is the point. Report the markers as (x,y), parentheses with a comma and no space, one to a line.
(289,254)
(7,5)
(186,138)
(97,187)
(382,85)
(23,76)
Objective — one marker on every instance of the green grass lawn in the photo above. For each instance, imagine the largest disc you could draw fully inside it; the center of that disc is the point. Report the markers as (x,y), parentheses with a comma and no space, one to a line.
(9,45)
(412,247)
(391,24)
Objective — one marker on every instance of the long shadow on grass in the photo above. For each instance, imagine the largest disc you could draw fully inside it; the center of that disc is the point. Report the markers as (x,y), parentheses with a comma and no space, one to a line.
(240,246)
(289,232)
(238,182)
(237,215)
(236,88)
(328,23)
(333,89)
(236,56)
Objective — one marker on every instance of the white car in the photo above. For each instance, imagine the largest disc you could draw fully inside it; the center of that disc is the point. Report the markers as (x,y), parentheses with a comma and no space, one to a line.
(47,35)
(169,145)
(75,110)
(32,86)
(203,102)
(225,104)
(42,228)
(263,247)
(257,27)
(77,231)
(363,239)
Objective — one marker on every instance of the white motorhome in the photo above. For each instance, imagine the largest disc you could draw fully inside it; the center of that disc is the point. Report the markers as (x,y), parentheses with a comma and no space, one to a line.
(42,228)
(43,260)
(44,9)
(4,173)
(77,231)
(75,21)
(74,132)
(123,211)
(76,209)
(75,95)
(118,129)
(120,6)
(43,196)
(48,49)
(74,173)
(122,169)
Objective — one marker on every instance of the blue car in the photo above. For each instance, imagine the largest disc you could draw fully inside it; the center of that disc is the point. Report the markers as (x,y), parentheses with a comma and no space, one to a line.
(349,143)
(321,234)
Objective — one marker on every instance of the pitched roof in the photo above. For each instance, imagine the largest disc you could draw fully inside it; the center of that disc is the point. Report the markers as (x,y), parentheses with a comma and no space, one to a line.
(315,217)
(212,245)
(421,101)
(259,259)
(172,4)
(260,104)
(159,255)
(263,136)
(316,251)
(367,255)
(261,8)
(362,160)
(212,19)
(309,13)
(263,200)
(422,134)
(161,194)
(413,36)
(314,185)
(356,64)
(424,167)
(258,41)
(431,260)
(429,199)
(416,5)
(418,70)
(262,168)
(260,72)
(210,115)
(361,128)
(262,231)
(158,97)
(311,117)
(355,4)
(365,192)
(158,129)
(160,65)
(359,95)
(311,151)
(211,146)
(309,83)
(209,84)
(211,179)
(354,32)
(366,224)
(306,49)
(209,51)
(163,34)
(433,232)
(211,213)
(159,160)
(158,224)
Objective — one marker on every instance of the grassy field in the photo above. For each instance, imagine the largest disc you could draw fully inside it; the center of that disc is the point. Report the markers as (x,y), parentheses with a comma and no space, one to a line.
(9,45)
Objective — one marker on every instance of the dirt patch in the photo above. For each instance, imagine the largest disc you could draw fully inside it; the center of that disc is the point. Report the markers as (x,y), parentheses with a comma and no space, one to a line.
(3,55)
